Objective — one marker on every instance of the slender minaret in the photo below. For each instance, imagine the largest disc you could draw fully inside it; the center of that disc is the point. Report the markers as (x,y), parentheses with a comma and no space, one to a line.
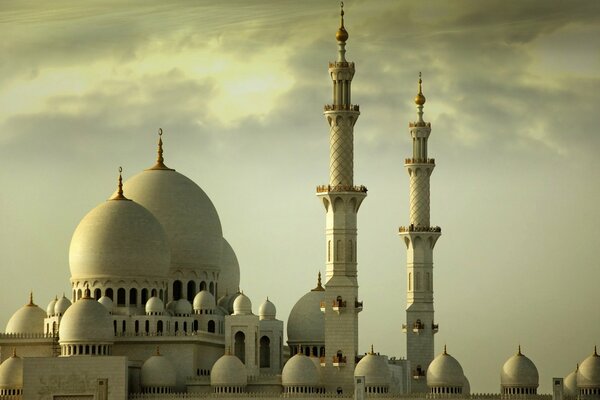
(341,200)
(420,238)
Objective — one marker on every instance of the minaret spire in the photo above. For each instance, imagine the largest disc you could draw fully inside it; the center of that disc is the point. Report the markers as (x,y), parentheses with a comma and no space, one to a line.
(342,200)
(160,161)
(420,238)
(119,195)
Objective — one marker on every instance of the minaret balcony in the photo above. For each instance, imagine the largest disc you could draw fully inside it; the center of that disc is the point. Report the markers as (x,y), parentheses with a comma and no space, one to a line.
(341,107)
(418,326)
(341,188)
(419,124)
(322,361)
(358,305)
(418,373)
(338,305)
(419,161)
(323,306)
(420,228)
(339,361)
(435,327)
(341,64)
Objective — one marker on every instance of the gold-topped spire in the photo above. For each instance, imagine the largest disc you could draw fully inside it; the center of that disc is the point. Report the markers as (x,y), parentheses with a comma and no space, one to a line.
(31,303)
(372,351)
(519,351)
(595,352)
(319,287)
(119,195)
(445,352)
(87,294)
(420,98)
(14,352)
(160,161)
(341,35)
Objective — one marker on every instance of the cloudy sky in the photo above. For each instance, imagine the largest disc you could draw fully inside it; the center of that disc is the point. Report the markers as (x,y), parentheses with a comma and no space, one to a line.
(513,95)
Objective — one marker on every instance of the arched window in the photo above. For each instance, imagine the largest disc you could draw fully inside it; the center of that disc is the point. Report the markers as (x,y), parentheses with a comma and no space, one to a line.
(211,326)
(265,352)
(124,326)
(202,286)
(159,327)
(109,293)
(147,326)
(211,288)
(191,290)
(78,294)
(144,295)
(97,294)
(121,297)
(177,286)
(115,326)
(240,346)
(137,327)
(132,297)
(195,325)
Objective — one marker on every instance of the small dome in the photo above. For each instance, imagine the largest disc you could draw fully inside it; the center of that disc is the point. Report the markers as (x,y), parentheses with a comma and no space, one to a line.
(466,390)
(11,373)
(86,321)
(28,319)
(61,306)
(155,306)
(226,302)
(107,303)
(50,307)
(588,375)
(445,371)
(183,307)
(267,310)
(229,277)
(375,370)
(228,371)
(519,371)
(242,305)
(186,213)
(300,371)
(170,307)
(158,372)
(119,239)
(306,323)
(570,384)
(204,300)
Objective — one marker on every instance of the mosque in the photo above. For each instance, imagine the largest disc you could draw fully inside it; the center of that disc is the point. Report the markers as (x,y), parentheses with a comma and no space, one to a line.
(155,310)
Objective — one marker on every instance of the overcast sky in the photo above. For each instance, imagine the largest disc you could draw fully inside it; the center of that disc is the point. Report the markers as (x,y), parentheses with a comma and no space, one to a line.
(513,95)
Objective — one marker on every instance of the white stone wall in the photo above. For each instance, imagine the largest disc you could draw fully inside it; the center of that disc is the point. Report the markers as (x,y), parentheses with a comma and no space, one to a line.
(273,329)
(248,325)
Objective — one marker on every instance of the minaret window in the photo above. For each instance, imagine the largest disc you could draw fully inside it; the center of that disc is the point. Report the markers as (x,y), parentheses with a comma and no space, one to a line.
(240,346)
(265,352)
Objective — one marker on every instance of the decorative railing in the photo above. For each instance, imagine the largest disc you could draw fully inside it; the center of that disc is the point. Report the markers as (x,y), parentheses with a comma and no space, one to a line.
(28,335)
(419,161)
(341,188)
(419,228)
(419,124)
(341,64)
(341,107)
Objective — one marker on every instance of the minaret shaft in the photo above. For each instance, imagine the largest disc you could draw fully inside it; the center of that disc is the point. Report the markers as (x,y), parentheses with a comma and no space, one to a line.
(420,238)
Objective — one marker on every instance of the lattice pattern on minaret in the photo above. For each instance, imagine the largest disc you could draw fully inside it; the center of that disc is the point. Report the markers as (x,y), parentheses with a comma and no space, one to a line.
(419,197)
(341,164)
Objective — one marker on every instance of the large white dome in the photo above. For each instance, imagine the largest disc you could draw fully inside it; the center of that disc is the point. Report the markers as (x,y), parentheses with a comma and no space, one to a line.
(300,371)
(375,370)
(519,372)
(588,375)
(28,319)
(86,321)
(11,373)
(158,372)
(229,277)
(306,323)
(228,371)
(445,371)
(187,215)
(119,239)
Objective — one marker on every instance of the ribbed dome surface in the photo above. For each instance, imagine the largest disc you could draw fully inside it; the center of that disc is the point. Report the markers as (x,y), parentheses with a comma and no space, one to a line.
(300,371)
(229,277)
(242,305)
(228,371)
(570,384)
(375,370)
(267,310)
(86,321)
(204,300)
(158,372)
(62,305)
(154,305)
(28,319)
(519,371)
(445,371)
(187,215)
(588,375)
(119,239)
(306,323)
(11,373)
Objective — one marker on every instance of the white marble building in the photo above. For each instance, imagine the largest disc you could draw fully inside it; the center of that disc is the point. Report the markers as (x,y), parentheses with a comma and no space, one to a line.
(156,311)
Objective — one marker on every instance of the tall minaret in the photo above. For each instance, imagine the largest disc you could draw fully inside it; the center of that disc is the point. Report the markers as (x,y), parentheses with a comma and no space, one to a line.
(341,200)
(420,238)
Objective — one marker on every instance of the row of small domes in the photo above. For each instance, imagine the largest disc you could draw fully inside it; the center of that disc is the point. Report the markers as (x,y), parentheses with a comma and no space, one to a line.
(585,376)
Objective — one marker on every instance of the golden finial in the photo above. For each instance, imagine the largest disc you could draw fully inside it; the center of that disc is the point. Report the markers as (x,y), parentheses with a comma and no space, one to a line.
(160,161)
(372,351)
(300,349)
(31,303)
(341,35)
(445,352)
(577,367)
(86,291)
(14,352)
(519,352)
(119,195)
(420,99)
(319,287)
(595,352)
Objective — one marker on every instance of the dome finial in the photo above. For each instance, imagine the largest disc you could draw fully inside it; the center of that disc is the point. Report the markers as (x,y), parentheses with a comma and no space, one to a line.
(86,292)
(420,98)
(595,352)
(319,287)
(119,195)
(31,303)
(341,35)
(14,352)
(445,352)
(160,160)
(519,351)
(372,351)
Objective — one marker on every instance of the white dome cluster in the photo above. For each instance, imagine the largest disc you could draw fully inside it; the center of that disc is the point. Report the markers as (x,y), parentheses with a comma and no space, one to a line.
(588,376)
(445,375)
(519,375)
